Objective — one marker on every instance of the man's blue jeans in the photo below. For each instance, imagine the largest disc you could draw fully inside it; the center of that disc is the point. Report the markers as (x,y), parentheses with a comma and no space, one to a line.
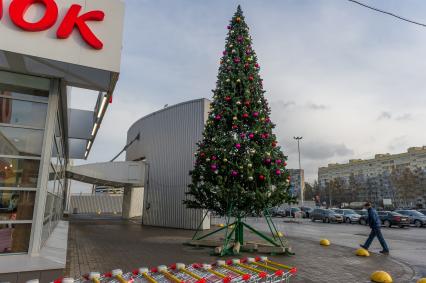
(376,232)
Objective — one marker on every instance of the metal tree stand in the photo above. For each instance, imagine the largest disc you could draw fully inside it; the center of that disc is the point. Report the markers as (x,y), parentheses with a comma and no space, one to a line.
(234,237)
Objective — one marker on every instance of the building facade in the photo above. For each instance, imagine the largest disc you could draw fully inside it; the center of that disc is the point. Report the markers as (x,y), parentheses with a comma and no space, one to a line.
(39,131)
(167,144)
(376,179)
(414,158)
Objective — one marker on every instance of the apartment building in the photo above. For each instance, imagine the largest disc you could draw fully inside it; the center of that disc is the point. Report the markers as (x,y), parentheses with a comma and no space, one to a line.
(381,164)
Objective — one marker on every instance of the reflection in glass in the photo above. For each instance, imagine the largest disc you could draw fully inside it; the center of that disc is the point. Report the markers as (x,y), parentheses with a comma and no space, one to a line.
(30,94)
(25,113)
(23,142)
(14,238)
(16,205)
(18,172)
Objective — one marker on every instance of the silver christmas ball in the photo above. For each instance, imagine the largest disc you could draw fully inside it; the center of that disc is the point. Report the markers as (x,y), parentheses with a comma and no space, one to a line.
(249,165)
(250,178)
(207,159)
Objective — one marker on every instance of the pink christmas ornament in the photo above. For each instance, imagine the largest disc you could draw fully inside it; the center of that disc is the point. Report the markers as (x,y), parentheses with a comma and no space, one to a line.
(213,167)
(237,60)
(251,135)
(278,161)
(278,172)
(218,117)
(255,114)
(234,173)
(238,146)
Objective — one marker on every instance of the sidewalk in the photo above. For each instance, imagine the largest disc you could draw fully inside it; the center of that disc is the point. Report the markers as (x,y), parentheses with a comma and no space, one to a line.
(102,245)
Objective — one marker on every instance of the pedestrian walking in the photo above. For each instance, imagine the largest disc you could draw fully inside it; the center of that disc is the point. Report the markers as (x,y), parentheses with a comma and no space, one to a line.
(375,225)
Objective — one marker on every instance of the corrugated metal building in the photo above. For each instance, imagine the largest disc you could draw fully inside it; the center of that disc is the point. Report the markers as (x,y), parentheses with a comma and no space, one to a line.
(103,203)
(167,145)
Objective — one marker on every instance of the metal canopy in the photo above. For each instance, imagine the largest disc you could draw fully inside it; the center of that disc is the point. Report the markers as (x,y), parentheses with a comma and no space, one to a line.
(114,174)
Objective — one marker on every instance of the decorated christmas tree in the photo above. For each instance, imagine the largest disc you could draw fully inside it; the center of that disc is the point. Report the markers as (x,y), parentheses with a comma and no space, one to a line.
(239,170)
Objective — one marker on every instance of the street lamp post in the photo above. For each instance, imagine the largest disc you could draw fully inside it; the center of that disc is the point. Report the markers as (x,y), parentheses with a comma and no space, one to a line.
(300,170)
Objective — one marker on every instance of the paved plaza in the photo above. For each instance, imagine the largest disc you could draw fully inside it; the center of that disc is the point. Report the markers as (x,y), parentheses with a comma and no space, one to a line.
(106,243)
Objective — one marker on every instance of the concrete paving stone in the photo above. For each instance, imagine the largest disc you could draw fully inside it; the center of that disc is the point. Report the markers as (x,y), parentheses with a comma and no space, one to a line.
(102,246)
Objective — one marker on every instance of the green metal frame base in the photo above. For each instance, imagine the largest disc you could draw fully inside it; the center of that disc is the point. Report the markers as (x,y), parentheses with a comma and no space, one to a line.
(235,234)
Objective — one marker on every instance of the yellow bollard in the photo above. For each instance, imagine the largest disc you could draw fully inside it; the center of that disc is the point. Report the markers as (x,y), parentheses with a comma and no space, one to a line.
(324,242)
(362,252)
(421,280)
(381,277)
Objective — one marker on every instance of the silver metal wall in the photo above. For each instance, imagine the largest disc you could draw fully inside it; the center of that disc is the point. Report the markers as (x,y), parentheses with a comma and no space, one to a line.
(88,204)
(168,142)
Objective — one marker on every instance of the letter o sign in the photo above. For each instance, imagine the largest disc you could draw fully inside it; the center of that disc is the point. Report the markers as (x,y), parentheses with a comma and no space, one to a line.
(18,8)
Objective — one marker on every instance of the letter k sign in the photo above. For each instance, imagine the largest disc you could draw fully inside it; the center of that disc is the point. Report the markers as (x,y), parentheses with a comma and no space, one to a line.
(72,19)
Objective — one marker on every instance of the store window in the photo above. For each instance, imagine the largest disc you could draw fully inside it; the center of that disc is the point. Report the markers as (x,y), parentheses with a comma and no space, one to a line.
(14,238)
(16,205)
(19,173)
(23,113)
(20,142)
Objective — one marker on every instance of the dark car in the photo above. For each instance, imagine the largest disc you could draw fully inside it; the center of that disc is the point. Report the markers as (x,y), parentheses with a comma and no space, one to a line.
(294,212)
(326,216)
(364,215)
(390,218)
(416,218)
(422,211)
(307,211)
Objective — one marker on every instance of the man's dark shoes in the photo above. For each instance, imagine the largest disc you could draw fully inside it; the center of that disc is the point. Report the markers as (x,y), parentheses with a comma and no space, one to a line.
(384,252)
(362,246)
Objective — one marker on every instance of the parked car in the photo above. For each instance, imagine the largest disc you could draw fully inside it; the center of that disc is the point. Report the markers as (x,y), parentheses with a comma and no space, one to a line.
(389,218)
(277,211)
(294,212)
(349,215)
(416,218)
(307,211)
(422,211)
(326,216)
(363,216)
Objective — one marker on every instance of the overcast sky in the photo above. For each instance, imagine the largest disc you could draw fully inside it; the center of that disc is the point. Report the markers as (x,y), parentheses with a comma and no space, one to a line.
(349,80)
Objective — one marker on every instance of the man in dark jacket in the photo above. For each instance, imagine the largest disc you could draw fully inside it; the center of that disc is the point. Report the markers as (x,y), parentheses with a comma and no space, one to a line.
(375,224)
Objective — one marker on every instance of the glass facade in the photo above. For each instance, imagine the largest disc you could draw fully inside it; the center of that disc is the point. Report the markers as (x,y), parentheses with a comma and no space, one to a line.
(23,134)
(56,184)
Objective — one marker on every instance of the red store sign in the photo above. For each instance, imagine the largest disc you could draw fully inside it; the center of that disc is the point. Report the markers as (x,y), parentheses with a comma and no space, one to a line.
(73,19)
